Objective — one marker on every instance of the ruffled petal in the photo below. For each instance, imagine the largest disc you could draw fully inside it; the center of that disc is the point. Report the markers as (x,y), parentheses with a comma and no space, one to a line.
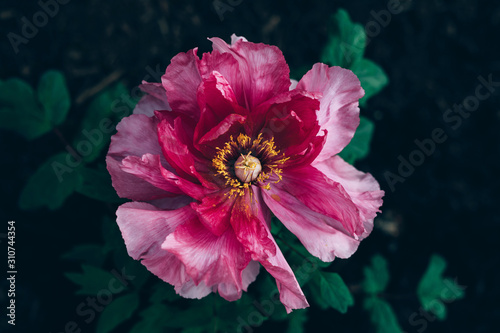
(248,220)
(291,119)
(217,261)
(181,81)
(136,136)
(175,148)
(314,230)
(274,262)
(143,240)
(363,189)
(322,195)
(263,70)
(149,168)
(215,212)
(339,111)
(155,99)
(221,116)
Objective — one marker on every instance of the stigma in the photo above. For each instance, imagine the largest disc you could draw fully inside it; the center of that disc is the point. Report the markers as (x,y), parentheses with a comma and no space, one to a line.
(247,168)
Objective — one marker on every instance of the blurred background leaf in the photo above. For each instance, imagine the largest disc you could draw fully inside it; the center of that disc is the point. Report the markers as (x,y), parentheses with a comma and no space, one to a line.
(359,147)
(434,290)
(51,184)
(382,315)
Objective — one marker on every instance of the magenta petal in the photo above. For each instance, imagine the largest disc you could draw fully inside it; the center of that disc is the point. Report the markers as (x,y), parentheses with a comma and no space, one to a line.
(214,212)
(135,137)
(291,119)
(220,109)
(181,80)
(315,231)
(149,168)
(217,261)
(324,196)
(180,157)
(361,187)
(227,66)
(271,258)
(249,223)
(263,70)
(339,111)
(155,99)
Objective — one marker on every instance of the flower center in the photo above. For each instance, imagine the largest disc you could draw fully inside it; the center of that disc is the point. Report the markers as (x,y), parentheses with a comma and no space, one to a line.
(245,162)
(247,168)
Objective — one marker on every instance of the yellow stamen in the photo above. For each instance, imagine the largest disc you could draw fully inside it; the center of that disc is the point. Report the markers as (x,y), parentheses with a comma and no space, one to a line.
(243,154)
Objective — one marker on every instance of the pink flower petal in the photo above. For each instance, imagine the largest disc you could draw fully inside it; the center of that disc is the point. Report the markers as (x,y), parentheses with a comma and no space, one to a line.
(155,99)
(215,212)
(181,81)
(363,189)
(135,137)
(227,67)
(217,261)
(149,168)
(195,191)
(144,239)
(322,195)
(271,258)
(263,70)
(187,164)
(291,119)
(316,231)
(220,110)
(339,111)
(248,220)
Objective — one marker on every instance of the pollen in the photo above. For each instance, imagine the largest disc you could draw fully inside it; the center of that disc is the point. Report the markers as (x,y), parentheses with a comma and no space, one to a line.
(243,162)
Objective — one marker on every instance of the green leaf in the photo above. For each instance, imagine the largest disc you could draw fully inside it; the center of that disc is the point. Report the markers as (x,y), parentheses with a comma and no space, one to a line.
(297,320)
(359,146)
(346,43)
(372,77)
(54,96)
(96,184)
(91,281)
(20,111)
(99,123)
(376,275)
(117,312)
(382,315)
(51,183)
(433,290)
(92,254)
(331,291)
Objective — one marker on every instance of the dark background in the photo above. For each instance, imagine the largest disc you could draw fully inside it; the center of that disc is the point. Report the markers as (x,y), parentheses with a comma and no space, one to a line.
(433,54)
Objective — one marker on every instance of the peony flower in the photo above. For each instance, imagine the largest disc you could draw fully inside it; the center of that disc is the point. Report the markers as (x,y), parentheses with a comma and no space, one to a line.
(221,144)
